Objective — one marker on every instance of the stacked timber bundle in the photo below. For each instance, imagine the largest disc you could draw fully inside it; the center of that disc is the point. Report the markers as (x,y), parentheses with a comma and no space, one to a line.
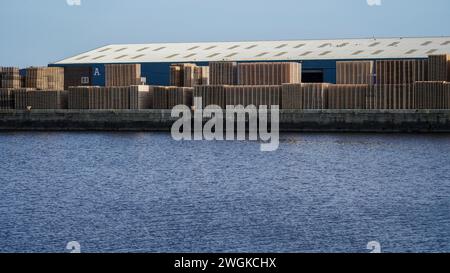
(188,75)
(211,95)
(177,73)
(355,72)
(6,99)
(10,77)
(431,95)
(401,71)
(268,73)
(109,98)
(20,98)
(233,95)
(141,97)
(45,78)
(77,76)
(447,95)
(257,95)
(79,97)
(347,96)
(439,67)
(167,97)
(223,73)
(25,98)
(395,79)
(196,75)
(46,99)
(122,75)
(305,96)
(391,96)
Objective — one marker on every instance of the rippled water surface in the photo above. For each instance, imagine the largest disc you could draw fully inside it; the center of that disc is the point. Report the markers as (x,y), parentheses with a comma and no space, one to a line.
(144,192)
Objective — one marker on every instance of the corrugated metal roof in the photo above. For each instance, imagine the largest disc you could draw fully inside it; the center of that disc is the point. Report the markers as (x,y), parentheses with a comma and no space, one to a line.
(375,48)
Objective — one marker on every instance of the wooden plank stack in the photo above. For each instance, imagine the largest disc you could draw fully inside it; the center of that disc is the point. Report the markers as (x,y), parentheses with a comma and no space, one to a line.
(305,96)
(77,76)
(45,78)
(24,98)
(122,75)
(391,96)
(6,99)
(447,95)
(188,75)
(257,95)
(109,98)
(195,75)
(178,73)
(439,67)
(401,71)
(10,77)
(355,72)
(232,95)
(167,97)
(432,95)
(347,96)
(144,95)
(269,73)
(211,95)
(395,79)
(46,99)
(223,73)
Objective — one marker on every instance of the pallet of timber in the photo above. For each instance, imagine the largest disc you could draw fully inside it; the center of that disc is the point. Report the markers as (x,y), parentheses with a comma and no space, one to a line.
(223,73)
(446,95)
(439,67)
(6,99)
(211,95)
(305,96)
(182,74)
(20,98)
(401,71)
(122,75)
(46,99)
(347,96)
(255,95)
(45,78)
(431,95)
(355,72)
(195,75)
(268,73)
(167,97)
(110,98)
(10,77)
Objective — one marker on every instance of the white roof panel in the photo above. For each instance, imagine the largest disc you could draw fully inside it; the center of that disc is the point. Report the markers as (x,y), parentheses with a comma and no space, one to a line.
(343,49)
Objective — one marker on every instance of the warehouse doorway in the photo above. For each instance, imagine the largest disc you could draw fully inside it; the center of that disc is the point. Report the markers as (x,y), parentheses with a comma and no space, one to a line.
(312,76)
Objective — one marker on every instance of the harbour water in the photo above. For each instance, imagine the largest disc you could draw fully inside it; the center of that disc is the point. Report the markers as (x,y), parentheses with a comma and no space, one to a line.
(144,192)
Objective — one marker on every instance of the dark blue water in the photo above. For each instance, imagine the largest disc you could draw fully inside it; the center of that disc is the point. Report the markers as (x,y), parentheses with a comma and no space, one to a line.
(144,192)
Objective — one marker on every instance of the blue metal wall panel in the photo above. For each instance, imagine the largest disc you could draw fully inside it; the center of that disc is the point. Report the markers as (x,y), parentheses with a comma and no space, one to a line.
(98,74)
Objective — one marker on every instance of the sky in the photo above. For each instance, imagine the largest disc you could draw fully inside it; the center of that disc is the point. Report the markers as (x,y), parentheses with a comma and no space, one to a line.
(38,32)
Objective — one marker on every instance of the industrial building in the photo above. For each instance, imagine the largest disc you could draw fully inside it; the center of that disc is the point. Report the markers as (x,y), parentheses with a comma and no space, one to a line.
(318,57)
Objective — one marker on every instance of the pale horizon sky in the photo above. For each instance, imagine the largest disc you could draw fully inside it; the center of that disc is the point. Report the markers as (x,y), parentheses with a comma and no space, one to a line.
(44,31)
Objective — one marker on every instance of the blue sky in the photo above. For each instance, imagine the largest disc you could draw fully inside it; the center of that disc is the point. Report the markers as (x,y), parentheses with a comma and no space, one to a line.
(37,32)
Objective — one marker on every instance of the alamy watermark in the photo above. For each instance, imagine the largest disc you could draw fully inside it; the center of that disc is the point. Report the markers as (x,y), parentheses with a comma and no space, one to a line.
(228,124)
(73,2)
(74,247)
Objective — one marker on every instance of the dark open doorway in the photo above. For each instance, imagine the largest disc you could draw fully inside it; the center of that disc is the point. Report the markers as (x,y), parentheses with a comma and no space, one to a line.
(312,76)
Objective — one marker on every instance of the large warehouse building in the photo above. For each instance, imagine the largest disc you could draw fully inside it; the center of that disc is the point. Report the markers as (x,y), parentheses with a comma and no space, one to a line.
(318,57)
